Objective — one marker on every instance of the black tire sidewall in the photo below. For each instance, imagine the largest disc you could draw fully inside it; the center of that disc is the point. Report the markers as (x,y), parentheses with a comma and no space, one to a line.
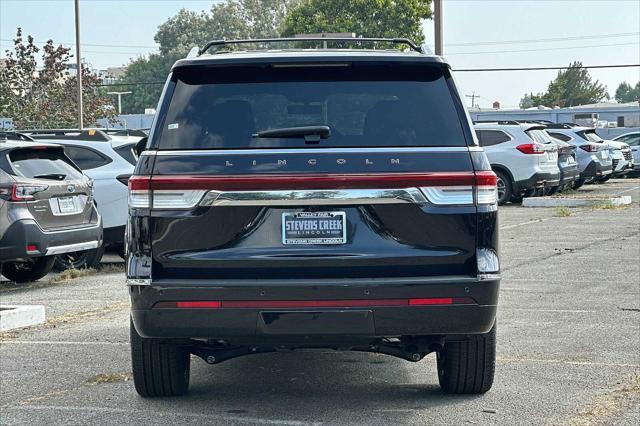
(508,191)
(91,260)
(26,272)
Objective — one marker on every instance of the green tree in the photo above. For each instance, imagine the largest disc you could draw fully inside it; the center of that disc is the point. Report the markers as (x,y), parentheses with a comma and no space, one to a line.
(627,93)
(573,86)
(526,101)
(366,18)
(44,95)
(233,19)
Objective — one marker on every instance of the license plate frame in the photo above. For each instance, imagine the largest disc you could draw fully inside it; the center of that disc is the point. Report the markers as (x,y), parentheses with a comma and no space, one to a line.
(318,228)
(67,205)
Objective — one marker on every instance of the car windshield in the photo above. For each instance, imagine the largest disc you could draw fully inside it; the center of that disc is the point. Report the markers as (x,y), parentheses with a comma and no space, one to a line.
(366,106)
(632,140)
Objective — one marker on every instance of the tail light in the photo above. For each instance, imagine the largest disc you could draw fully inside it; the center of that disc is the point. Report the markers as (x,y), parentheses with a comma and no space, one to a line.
(21,192)
(441,188)
(589,147)
(530,148)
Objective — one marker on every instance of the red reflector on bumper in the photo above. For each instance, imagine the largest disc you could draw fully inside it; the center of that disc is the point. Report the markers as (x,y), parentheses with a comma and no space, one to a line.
(32,247)
(294,304)
(432,301)
(198,304)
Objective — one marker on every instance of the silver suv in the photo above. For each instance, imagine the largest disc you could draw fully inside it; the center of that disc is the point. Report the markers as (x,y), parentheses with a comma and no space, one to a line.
(522,163)
(593,155)
(46,208)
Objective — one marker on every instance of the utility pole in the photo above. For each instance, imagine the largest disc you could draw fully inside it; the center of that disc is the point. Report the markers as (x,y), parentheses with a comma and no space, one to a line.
(78,64)
(119,94)
(438,26)
(473,97)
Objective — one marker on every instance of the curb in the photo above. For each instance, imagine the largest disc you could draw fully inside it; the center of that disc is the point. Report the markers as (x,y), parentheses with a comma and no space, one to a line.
(575,202)
(14,316)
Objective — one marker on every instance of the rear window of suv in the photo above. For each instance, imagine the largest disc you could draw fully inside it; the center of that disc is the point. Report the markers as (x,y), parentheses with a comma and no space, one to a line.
(42,164)
(364,106)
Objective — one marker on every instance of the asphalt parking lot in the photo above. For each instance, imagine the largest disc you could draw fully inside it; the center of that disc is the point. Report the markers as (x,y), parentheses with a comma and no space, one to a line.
(568,346)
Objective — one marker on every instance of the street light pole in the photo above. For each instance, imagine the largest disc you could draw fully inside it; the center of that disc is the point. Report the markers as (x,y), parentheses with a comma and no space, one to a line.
(78,64)
(119,99)
(438,26)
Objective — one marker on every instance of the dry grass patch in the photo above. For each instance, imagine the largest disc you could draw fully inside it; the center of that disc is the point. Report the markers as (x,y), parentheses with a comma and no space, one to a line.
(102,378)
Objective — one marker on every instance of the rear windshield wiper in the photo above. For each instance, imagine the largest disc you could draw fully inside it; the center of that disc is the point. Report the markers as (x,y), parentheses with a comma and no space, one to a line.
(57,176)
(311,134)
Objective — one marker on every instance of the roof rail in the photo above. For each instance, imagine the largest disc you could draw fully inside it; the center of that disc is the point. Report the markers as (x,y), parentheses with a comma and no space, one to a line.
(559,126)
(126,132)
(96,135)
(404,41)
(513,122)
(14,136)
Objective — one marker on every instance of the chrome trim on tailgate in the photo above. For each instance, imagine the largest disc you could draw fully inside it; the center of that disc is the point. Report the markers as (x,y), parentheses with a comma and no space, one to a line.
(314,197)
(252,151)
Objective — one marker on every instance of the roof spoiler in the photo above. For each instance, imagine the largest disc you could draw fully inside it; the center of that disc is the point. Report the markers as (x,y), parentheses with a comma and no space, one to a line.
(305,39)
(95,135)
(14,136)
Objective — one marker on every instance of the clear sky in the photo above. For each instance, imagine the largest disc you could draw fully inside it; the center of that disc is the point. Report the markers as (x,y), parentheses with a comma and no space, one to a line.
(478,34)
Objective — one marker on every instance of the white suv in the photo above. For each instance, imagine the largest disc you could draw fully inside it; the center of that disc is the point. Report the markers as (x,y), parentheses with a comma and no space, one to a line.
(593,154)
(109,161)
(524,166)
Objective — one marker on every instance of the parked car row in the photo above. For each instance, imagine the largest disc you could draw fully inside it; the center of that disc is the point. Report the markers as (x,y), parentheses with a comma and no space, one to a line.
(540,158)
(50,181)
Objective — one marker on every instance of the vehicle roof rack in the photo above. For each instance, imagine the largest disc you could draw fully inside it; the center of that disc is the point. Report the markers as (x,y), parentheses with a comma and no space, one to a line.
(403,41)
(94,135)
(559,126)
(14,136)
(126,132)
(512,122)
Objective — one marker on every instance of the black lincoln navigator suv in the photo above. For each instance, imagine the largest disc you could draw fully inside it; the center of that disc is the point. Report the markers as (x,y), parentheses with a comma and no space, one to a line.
(312,198)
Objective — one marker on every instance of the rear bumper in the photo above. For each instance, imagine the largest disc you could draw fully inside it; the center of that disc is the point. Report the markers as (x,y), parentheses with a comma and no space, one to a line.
(568,175)
(595,169)
(13,246)
(539,180)
(313,325)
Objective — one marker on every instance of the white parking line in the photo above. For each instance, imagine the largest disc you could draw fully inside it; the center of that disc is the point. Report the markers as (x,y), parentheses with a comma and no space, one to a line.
(629,190)
(214,417)
(47,342)
(562,361)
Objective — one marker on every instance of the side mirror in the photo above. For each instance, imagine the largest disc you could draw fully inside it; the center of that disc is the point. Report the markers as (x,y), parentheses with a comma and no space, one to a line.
(140,146)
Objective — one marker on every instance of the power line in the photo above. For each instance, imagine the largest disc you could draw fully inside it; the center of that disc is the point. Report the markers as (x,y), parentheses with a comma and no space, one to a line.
(543,40)
(479,43)
(543,49)
(143,83)
(545,68)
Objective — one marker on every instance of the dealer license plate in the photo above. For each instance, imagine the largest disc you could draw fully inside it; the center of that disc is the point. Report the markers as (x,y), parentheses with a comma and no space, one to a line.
(67,205)
(314,228)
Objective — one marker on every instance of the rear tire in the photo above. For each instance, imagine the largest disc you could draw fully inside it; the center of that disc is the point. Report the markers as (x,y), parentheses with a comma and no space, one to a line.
(159,368)
(577,183)
(31,270)
(79,259)
(603,178)
(504,185)
(468,366)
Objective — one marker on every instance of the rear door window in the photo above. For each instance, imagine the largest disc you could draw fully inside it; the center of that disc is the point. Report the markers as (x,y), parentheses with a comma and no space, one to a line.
(364,106)
(86,158)
(492,137)
(43,164)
